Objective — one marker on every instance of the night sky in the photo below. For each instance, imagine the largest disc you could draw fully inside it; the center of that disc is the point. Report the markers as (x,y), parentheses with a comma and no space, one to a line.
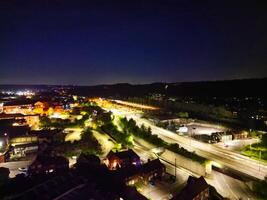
(103,42)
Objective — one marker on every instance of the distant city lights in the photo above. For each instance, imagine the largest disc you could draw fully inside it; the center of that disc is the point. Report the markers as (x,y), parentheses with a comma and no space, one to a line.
(27,93)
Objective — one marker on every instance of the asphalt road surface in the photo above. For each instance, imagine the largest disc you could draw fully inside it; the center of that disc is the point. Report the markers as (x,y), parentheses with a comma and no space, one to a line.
(13,166)
(224,157)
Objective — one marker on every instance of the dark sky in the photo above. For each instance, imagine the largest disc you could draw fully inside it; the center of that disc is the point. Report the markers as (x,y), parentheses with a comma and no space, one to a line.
(95,42)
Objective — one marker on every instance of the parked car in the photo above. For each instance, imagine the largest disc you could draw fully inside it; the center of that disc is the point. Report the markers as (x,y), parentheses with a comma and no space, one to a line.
(23,169)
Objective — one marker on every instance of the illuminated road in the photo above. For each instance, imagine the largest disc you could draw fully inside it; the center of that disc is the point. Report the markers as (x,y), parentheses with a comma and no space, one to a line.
(136,105)
(226,186)
(224,157)
(237,145)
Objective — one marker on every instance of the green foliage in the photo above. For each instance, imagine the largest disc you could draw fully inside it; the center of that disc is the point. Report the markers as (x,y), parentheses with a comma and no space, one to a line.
(221,112)
(130,127)
(162,124)
(4,175)
(264,140)
(117,147)
(46,123)
(87,144)
(183,114)
(174,147)
(120,137)
(260,189)
(256,154)
(167,125)
(103,118)
(254,133)
(257,151)
(96,113)
(59,137)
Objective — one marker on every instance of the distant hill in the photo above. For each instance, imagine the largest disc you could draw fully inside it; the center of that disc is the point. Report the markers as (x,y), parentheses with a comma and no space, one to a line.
(227,88)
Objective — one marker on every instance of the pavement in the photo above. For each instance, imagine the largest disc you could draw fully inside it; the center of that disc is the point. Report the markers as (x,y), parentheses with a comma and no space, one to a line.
(237,145)
(200,129)
(13,166)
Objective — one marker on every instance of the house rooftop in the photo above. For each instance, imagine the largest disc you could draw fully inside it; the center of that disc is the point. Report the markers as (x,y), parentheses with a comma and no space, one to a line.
(14,131)
(130,193)
(19,102)
(193,187)
(48,160)
(89,158)
(151,166)
(26,145)
(123,154)
(10,116)
(130,171)
(15,115)
(44,133)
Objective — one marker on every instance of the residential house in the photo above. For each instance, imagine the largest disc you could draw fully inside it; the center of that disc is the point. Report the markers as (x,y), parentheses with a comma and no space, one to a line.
(195,189)
(147,172)
(153,169)
(18,106)
(48,164)
(24,149)
(120,159)
(21,119)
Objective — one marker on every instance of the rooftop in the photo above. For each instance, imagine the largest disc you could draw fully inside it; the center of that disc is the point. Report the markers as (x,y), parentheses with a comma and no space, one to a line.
(19,102)
(14,131)
(151,165)
(51,160)
(15,115)
(193,187)
(123,154)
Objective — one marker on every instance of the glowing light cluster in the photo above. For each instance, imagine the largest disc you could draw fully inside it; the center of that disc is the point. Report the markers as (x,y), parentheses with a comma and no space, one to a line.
(25,93)
(147,107)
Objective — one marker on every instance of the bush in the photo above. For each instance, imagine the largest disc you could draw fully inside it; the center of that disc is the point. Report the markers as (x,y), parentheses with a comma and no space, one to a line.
(260,189)
(4,175)
(120,137)
(88,144)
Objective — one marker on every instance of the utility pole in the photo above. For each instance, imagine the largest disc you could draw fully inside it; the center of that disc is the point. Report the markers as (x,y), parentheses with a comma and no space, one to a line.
(175,168)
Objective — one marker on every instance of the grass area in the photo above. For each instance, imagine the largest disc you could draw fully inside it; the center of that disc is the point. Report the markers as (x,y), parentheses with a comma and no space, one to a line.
(120,137)
(256,151)
(73,134)
(259,188)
